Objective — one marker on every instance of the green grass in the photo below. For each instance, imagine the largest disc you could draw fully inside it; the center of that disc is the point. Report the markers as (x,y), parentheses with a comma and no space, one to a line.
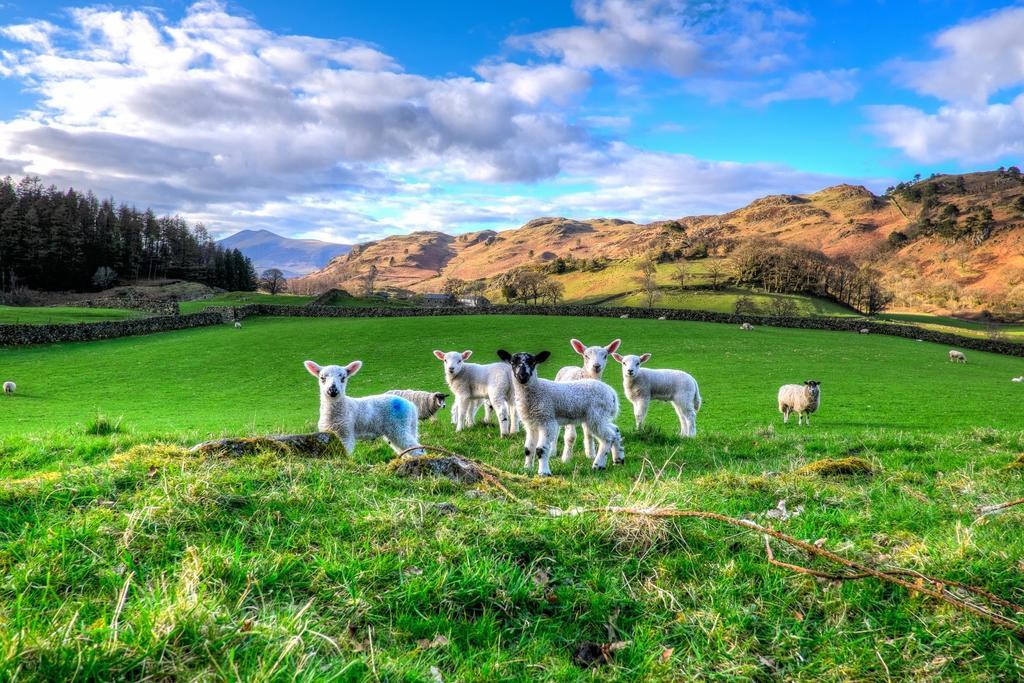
(276,567)
(968,328)
(724,301)
(45,315)
(243,298)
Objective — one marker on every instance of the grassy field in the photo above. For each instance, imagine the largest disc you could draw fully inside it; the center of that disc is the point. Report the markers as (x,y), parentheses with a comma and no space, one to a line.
(243,298)
(724,301)
(125,557)
(968,328)
(45,315)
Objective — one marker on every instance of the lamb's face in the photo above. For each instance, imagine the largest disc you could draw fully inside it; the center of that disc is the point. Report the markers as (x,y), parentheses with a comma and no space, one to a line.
(332,378)
(524,365)
(631,364)
(595,358)
(453,361)
(439,401)
(813,388)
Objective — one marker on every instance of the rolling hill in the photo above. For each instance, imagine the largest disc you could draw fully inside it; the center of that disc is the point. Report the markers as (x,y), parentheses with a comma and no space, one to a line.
(961,259)
(294,257)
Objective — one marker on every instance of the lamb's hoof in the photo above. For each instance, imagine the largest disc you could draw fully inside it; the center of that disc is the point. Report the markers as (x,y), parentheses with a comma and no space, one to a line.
(544,474)
(620,461)
(599,468)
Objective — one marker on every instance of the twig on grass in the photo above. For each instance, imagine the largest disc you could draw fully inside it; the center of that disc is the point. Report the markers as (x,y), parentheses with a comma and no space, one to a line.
(989,509)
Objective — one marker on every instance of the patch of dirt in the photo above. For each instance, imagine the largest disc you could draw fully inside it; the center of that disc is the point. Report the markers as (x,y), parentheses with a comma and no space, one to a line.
(836,467)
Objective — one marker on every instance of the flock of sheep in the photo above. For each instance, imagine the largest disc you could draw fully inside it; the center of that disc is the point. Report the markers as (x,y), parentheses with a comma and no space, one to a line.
(514,392)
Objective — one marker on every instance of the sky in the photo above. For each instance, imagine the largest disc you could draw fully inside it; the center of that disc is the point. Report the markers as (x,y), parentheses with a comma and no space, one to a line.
(349,121)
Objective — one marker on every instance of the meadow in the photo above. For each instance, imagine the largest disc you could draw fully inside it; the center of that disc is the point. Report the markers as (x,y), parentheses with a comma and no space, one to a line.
(47,315)
(125,556)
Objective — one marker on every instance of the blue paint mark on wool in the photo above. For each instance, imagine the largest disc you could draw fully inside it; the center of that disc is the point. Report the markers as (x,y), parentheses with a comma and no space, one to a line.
(399,406)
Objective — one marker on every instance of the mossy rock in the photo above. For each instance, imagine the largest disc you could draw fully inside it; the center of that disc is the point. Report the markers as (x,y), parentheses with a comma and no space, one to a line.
(836,467)
(316,445)
(1017,464)
(457,469)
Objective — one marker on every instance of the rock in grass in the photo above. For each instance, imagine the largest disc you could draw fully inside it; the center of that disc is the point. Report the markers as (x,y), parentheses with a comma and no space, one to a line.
(1017,464)
(834,467)
(457,469)
(316,445)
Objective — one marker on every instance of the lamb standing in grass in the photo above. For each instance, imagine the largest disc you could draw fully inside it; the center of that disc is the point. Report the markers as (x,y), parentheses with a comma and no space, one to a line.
(427,402)
(957,356)
(543,405)
(802,399)
(679,388)
(595,359)
(746,327)
(10,387)
(382,416)
(238,324)
(472,382)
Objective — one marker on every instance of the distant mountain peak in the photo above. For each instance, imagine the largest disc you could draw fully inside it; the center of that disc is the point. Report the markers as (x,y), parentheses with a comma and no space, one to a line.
(294,257)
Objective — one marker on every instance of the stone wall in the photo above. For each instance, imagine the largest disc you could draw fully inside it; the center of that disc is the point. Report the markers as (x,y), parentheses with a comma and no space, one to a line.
(12,335)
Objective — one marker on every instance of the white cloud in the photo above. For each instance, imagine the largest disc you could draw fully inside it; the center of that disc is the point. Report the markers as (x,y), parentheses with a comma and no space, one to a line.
(535,84)
(982,57)
(961,133)
(837,85)
(675,37)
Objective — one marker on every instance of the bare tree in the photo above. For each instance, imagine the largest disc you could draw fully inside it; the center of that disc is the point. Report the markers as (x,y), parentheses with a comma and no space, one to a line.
(273,281)
(369,281)
(679,274)
(716,272)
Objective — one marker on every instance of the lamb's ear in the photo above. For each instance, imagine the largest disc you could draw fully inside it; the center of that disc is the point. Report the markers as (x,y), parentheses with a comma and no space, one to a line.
(541,357)
(466,355)
(644,358)
(577,346)
(614,346)
(617,357)
(353,367)
(505,356)
(438,354)
(313,368)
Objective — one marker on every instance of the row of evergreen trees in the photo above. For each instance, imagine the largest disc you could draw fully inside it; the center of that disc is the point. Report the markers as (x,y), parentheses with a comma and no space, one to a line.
(53,239)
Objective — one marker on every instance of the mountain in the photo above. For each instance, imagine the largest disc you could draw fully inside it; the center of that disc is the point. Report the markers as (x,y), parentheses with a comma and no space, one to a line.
(946,243)
(294,257)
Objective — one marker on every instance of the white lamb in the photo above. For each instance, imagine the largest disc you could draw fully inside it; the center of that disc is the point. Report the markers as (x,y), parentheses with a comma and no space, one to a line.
(543,405)
(957,356)
(382,416)
(10,387)
(238,324)
(1012,379)
(427,402)
(679,388)
(472,382)
(802,399)
(595,359)
(865,330)
(746,327)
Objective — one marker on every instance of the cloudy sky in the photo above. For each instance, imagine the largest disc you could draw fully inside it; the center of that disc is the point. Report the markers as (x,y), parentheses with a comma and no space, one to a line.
(350,120)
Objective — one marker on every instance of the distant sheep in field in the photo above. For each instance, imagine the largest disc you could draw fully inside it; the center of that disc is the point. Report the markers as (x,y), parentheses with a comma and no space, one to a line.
(746,327)
(679,388)
(865,330)
(802,399)
(427,402)
(661,317)
(238,324)
(10,387)
(544,405)
(595,359)
(472,382)
(957,356)
(382,416)
(1017,379)
(624,316)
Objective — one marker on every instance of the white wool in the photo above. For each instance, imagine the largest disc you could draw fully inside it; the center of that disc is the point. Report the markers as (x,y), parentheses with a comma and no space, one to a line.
(391,418)
(595,360)
(10,387)
(238,324)
(957,356)
(802,399)
(471,383)
(1017,379)
(746,327)
(427,402)
(642,385)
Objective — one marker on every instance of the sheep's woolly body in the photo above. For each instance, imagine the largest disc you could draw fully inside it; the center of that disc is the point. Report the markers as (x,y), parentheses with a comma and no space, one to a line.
(427,402)
(10,387)
(595,360)
(472,383)
(957,356)
(675,386)
(544,405)
(801,399)
(392,418)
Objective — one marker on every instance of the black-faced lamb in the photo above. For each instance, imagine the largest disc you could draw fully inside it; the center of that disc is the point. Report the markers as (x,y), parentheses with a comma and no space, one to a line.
(370,417)
(642,385)
(472,382)
(543,405)
(595,360)
(802,399)
(427,403)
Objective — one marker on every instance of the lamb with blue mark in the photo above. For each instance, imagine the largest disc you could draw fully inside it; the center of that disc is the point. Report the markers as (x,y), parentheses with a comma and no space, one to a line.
(385,416)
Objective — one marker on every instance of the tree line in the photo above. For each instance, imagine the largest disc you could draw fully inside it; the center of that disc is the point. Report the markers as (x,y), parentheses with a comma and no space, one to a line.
(53,239)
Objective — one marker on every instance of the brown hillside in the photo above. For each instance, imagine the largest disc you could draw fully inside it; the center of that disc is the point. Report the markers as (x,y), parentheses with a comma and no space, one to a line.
(948,267)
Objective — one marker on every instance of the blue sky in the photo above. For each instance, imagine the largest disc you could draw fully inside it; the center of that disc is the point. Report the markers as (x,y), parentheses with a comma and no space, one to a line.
(352,120)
